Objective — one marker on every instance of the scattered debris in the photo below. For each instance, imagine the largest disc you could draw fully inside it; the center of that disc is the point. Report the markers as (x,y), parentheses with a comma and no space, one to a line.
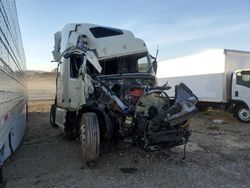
(219,121)
(213,128)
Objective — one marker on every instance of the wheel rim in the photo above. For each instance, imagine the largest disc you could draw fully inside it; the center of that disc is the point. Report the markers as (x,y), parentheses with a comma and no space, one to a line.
(244,114)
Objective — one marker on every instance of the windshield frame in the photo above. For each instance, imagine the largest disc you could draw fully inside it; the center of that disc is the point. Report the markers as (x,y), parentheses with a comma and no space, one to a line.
(118,62)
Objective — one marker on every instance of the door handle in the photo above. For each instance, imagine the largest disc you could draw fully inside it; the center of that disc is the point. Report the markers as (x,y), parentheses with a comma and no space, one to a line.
(236,93)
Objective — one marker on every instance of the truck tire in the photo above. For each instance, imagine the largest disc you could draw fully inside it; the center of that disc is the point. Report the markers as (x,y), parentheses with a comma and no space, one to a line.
(243,113)
(53,116)
(90,137)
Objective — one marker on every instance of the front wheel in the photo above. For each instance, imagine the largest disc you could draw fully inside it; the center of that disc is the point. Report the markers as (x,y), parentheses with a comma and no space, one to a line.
(243,113)
(90,137)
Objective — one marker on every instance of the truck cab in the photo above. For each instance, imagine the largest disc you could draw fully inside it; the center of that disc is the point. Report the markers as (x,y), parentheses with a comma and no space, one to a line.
(106,90)
(127,56)
(241,94)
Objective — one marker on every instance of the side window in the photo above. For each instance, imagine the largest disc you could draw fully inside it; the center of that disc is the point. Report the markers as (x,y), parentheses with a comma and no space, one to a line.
(243,78)
(143,64)
(75,64)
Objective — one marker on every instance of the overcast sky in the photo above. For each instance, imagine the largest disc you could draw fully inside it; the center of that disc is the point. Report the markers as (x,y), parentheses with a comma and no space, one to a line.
(180,27)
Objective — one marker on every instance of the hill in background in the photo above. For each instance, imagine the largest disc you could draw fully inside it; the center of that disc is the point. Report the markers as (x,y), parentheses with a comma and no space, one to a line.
(41,85)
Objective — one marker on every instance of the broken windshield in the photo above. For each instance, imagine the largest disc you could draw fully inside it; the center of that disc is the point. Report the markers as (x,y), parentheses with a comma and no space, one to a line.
(135,63)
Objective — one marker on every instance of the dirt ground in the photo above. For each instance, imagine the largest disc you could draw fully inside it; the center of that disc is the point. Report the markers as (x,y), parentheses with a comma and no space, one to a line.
(218,155)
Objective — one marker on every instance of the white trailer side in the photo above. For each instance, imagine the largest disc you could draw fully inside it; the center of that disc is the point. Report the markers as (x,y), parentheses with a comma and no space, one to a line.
(208,74)
(13,95)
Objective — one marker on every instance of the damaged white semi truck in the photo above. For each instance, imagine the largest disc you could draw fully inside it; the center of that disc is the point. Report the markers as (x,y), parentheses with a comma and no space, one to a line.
(106,90)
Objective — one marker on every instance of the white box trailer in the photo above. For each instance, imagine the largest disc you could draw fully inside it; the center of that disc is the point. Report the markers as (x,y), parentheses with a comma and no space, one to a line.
(208,74)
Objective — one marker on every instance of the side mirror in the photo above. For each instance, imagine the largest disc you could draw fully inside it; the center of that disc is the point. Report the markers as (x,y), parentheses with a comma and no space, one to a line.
(154,64)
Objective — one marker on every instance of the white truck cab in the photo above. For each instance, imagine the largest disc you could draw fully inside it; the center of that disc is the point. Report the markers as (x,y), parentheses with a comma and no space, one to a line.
(106,90)
(241,94)
(106,59)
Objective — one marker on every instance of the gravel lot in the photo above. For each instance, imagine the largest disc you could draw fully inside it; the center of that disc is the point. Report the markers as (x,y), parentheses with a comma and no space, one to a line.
(218,155)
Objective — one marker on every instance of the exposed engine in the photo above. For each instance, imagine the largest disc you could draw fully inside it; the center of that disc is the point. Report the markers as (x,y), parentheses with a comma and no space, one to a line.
(144,114)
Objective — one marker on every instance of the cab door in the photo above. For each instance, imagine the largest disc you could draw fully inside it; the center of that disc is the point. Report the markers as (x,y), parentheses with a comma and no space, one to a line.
(74,83)
(241,86)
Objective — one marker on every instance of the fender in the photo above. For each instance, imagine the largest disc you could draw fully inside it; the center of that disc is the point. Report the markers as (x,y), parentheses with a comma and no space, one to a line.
(105,120)
(237,103)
